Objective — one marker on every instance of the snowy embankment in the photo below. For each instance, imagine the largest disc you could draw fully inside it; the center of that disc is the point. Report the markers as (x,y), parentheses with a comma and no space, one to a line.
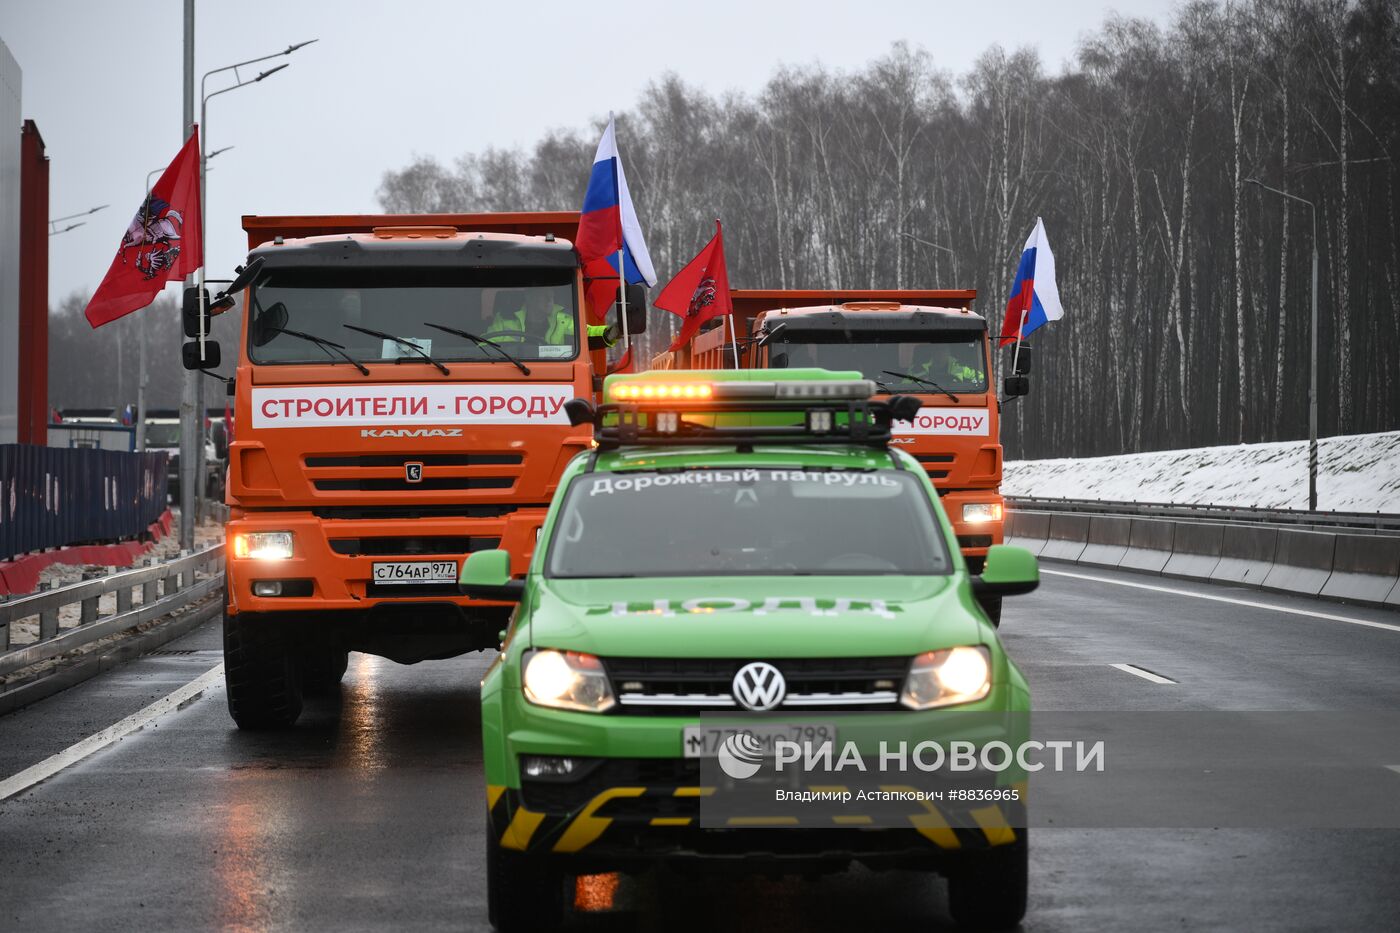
(1356,473)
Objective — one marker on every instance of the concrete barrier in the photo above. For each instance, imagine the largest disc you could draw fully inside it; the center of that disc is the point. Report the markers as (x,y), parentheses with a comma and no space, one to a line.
(1109,537)
(1032,529)
(1149,545)
(1365,568)
(1195,550)
(1303,561)
(1246,555)
(1069,532)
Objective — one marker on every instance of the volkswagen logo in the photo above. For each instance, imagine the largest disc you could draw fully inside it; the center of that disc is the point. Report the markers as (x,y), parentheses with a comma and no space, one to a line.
(759,686)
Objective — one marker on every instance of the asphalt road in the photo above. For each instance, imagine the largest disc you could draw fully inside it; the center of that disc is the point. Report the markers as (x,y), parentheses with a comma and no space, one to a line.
(369,814)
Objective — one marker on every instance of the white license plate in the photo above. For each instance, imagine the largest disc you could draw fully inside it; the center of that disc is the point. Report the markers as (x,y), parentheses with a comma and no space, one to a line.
(415,571)
(703,741)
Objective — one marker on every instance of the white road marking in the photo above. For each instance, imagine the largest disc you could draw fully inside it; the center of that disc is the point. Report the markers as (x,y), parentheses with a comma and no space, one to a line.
(1144,674)
(1395,768)
(1227,599)
(114,733)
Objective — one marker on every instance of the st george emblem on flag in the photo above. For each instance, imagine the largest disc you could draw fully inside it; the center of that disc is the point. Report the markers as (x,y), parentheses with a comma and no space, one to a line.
(163,243)
(1035,298)
(700,291)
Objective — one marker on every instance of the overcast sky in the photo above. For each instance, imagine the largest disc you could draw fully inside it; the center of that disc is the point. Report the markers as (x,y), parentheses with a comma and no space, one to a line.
(388,80)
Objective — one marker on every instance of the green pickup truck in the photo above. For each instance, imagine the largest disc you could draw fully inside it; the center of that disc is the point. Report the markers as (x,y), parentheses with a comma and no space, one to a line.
(745,544)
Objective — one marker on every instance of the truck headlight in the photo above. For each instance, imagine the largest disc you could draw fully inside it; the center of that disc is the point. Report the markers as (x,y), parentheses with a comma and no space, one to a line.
(263,545)
(567,680)
(976,513)
(947,677)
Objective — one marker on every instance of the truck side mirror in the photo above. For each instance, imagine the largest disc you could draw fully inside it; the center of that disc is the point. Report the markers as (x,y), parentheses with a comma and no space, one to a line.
(486,575)
(189,355)
(190,311)
(1016,386)
(1023,360)
(636,308)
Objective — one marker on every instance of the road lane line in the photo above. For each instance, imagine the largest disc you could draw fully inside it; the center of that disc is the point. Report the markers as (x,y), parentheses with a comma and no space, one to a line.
(114,733)
(1395,768)
(1226,599)
(1144,673)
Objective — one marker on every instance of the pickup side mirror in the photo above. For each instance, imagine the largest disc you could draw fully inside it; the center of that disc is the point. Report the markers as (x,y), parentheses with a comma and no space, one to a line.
(486,575)
(189,355)
(1008,571)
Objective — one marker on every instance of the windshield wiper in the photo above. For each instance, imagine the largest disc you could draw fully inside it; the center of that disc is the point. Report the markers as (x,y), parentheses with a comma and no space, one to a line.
(327,345)
(403,342)
(480,342)
(927,382)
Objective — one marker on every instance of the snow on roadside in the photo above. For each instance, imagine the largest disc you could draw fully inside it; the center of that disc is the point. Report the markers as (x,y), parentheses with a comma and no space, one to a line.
(1356,473)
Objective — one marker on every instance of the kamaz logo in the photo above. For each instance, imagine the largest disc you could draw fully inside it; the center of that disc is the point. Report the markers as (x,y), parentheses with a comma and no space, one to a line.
(410,432)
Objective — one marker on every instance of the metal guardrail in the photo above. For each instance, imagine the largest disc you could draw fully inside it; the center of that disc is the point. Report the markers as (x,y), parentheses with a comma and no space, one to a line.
(1300,518)
(165,588)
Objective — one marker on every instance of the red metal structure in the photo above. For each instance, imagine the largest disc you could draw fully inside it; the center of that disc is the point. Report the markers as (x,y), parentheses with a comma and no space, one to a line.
(33,414)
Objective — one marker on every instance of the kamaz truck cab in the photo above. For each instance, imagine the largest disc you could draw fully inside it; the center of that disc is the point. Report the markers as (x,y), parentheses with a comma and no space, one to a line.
(399,397)
(923,343)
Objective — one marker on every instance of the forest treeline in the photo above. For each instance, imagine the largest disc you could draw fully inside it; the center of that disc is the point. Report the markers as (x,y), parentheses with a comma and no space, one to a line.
(1186,289)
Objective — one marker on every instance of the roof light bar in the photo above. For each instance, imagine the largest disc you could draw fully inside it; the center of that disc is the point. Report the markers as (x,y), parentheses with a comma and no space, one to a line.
(806,390)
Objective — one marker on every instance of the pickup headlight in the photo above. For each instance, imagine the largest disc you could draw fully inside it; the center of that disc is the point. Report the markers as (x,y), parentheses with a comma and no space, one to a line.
(977,513)
(947,677)
(567,680)
(263,545)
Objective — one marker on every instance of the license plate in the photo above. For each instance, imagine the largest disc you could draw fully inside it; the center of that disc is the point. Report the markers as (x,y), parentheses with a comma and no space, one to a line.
(703,741)
(415,571)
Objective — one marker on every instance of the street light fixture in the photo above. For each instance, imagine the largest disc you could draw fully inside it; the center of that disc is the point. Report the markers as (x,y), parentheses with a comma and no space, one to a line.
(53,224)
(192,461)
(1312,379)
(930,243)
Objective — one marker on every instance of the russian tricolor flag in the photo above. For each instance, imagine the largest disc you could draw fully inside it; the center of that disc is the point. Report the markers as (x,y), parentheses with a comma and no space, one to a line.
(1034,295)
(609,224)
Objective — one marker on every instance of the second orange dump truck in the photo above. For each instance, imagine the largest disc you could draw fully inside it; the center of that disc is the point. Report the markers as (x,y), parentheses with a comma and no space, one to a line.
(926,343)
(399,398)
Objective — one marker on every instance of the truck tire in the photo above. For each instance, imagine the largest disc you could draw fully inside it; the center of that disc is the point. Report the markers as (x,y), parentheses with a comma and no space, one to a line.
(264,691)
(522,894)
(990,892)
(322,670)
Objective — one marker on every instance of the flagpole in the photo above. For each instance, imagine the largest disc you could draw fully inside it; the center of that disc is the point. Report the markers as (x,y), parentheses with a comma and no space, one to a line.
(734,336)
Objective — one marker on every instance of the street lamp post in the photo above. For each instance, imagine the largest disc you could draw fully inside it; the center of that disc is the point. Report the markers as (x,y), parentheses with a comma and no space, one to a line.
(1312,378)
(930,243)
(195,458)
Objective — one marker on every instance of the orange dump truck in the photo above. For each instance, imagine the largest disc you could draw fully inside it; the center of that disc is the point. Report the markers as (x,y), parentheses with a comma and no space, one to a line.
(399,399)
(926,343)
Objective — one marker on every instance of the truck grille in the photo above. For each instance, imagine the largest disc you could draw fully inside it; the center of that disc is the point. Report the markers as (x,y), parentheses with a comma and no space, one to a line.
(388,472)
(443,544)
(934,472)
(662,686)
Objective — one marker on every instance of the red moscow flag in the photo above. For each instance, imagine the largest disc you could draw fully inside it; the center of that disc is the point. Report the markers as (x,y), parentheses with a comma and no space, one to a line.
(162,244)
(700,291)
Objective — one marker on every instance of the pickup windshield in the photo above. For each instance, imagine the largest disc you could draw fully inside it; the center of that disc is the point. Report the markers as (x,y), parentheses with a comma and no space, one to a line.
(955,361)
(746,522)
(529,313)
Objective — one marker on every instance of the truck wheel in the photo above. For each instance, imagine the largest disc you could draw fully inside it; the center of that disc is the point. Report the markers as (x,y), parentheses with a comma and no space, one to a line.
(990,892)
(991,605)
(322,670)
(522,894)
(260,671)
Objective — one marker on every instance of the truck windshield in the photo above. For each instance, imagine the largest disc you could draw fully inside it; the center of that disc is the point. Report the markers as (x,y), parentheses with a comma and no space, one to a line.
(529,313)
(955,361)
(746,522)
(160,434)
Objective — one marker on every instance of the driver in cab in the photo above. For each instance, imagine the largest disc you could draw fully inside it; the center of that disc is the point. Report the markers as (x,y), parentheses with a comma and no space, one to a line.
(537,315)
